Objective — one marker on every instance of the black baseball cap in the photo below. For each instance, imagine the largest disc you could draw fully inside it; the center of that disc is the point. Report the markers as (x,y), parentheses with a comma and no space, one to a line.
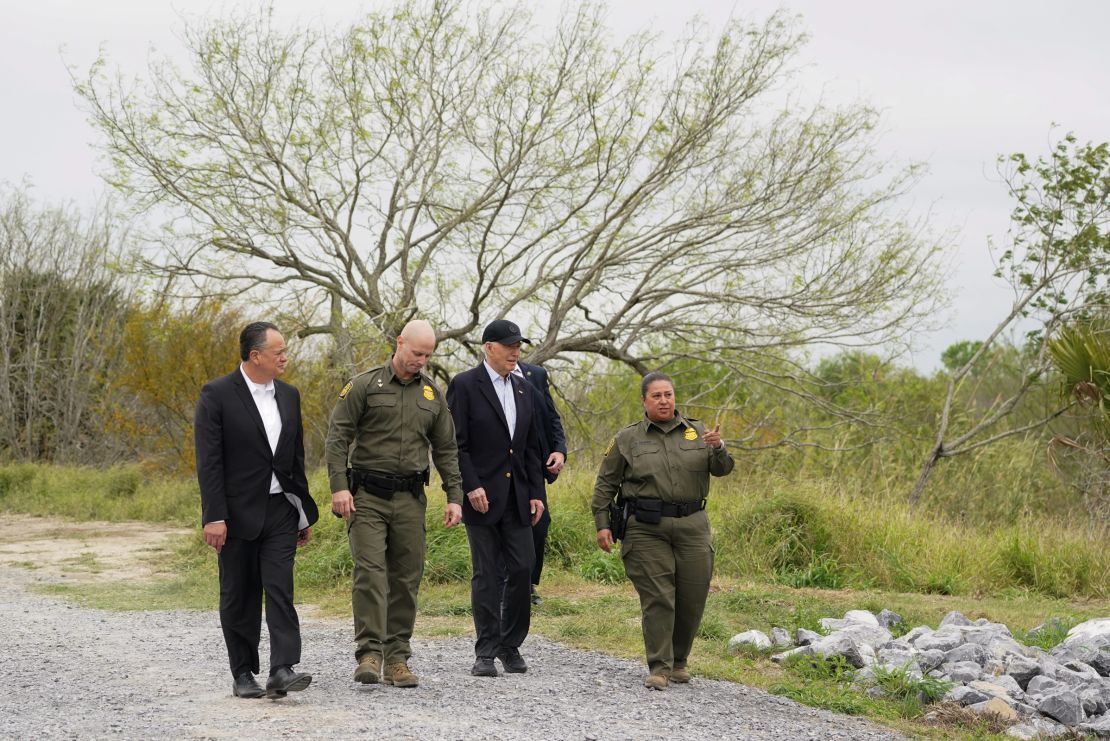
(503,331)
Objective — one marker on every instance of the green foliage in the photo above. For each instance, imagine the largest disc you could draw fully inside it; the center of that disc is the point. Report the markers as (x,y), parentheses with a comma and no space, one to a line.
(118,493)
(807,534)
(448,556)
(606,568)
(836,697)
(900,683)
(1052,633)
(1060,244)
(834,668)
(823,572)
(959,354)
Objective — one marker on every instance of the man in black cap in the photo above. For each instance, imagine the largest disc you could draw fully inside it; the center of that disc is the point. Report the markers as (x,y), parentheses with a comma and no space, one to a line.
(499,459)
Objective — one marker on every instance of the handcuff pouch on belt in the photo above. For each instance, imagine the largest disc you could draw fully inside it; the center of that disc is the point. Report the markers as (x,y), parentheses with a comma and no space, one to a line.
(652,511)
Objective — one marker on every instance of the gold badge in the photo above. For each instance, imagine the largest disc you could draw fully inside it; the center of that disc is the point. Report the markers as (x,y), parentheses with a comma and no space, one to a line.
(691,434)
(429,394)
(346,389)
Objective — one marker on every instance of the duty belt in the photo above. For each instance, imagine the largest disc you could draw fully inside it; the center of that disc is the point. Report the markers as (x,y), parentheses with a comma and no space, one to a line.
(671,509)
(385,484)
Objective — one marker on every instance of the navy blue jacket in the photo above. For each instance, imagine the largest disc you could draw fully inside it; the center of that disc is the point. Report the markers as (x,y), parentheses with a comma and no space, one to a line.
(488,457)
(547,418)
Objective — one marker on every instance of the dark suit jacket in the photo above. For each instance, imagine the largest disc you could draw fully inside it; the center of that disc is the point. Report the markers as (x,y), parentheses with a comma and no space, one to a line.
(488,458)
(547,417)
(234,461)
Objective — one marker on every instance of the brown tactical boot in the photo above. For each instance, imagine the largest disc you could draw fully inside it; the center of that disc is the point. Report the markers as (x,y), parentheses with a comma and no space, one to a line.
(679,675)
(398,674)
(656,682)
(369,669)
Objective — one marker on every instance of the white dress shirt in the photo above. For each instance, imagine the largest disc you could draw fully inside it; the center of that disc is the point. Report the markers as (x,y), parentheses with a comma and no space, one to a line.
(503,387)
(266,401)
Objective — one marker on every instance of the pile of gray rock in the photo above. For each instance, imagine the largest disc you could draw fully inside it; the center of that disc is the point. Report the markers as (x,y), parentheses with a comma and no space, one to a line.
(1044,693)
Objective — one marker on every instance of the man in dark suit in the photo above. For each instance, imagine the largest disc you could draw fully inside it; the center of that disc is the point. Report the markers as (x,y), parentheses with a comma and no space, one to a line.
(554,455)
(499,459)
(256,508)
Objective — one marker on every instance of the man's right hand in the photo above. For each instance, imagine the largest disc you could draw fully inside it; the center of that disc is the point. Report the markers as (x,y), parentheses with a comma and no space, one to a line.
(605,540)
(342,503)
(477,499)
(215,535)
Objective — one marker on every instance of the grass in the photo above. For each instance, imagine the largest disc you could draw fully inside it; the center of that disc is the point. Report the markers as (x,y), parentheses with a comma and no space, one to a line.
(787,554)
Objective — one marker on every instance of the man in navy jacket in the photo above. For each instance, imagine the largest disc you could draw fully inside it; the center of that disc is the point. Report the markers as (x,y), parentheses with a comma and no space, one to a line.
(499,459)
(554,455)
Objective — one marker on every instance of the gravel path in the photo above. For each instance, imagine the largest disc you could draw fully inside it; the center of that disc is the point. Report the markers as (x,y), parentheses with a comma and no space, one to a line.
(72,672)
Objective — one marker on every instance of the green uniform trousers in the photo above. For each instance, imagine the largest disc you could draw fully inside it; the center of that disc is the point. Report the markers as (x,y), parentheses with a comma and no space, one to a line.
(670,564)
(387,546)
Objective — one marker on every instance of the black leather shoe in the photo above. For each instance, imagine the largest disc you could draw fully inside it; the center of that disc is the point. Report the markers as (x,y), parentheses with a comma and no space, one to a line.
(512,661)
(285,680)
(484,668)
(245,686)
(536,598)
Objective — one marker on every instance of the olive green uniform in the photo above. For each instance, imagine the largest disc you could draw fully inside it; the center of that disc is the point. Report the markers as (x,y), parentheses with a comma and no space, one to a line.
(669,563)
(387,426)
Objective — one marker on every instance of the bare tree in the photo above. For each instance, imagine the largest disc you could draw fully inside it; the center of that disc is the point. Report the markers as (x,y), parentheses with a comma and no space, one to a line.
(61,316)
(1057,261)
(639,202)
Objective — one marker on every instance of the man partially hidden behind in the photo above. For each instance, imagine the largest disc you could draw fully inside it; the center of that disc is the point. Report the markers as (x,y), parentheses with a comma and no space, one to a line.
(256,508)
(499,458)
(385,423)
(554,455)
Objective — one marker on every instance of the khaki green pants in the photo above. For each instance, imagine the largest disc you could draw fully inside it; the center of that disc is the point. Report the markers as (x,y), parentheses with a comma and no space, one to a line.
(387,547)
(670,564)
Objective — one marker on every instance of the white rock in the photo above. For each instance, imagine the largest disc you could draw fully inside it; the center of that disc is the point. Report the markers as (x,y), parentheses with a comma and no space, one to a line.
(962,671)
(1090,631)
(862,616)
(865,634)
(954,618)
(755,638)
(914,633)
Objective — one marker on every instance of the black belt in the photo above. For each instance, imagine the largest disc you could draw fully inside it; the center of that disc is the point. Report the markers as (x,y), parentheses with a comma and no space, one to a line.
(385,484)
(672,509)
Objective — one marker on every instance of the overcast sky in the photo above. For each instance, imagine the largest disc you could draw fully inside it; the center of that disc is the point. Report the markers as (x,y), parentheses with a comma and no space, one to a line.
(958,83)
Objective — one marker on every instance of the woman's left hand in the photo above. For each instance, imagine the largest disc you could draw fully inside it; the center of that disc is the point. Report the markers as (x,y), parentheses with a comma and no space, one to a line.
(712,437)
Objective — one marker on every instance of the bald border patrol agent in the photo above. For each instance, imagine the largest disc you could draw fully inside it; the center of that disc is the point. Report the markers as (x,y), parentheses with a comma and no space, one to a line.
(661,466)
(385,424)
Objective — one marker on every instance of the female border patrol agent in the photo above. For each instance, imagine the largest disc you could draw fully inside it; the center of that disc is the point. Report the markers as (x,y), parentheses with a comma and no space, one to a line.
(661,467)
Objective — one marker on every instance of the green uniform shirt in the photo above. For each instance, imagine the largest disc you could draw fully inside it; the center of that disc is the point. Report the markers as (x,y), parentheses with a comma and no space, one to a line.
(383,424)
(658,460)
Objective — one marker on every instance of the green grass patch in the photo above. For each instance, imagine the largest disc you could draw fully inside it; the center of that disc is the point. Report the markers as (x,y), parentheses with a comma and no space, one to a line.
(115,494)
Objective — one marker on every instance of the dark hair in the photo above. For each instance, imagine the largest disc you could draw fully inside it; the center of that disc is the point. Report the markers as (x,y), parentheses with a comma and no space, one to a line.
(651,378)
(253,337)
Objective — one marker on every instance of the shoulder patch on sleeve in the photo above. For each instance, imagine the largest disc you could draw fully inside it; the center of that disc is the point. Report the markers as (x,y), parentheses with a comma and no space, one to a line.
(609,447)
(346,389)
